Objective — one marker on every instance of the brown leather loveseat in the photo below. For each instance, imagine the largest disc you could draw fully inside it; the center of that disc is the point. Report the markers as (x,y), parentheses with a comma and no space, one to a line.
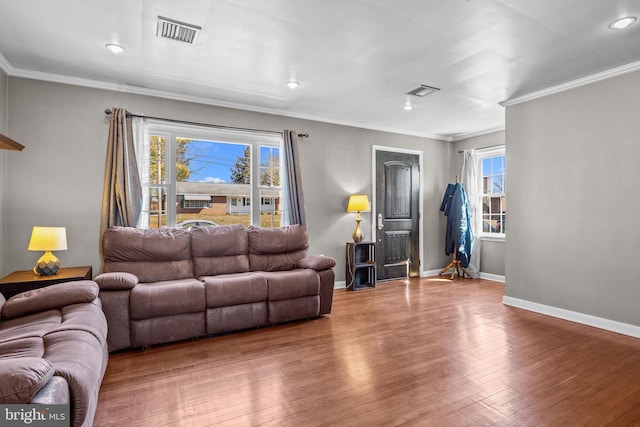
(53,349)
(168,284)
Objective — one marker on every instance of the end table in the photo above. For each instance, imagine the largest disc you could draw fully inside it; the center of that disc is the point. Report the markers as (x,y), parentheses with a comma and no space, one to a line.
(26,280)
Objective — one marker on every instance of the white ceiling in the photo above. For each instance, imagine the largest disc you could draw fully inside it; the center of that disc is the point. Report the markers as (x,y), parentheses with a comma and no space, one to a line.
(354,59)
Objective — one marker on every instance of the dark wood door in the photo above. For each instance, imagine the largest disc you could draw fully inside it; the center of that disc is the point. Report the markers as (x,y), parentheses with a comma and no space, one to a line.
(397,215)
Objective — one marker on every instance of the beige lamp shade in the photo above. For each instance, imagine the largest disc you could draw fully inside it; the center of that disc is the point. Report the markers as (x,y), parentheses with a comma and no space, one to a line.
(47,239)
(358,203)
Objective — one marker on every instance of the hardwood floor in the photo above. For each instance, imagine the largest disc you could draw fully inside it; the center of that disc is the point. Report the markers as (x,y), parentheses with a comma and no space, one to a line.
(419,352)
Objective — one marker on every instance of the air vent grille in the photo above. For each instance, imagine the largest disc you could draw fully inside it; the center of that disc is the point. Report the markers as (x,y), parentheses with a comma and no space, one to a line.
(422,91)
(176,30)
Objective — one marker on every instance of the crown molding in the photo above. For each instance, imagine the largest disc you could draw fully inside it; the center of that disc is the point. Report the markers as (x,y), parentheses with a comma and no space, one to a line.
(5,65)
(467,135)
(607,74)
(99,84)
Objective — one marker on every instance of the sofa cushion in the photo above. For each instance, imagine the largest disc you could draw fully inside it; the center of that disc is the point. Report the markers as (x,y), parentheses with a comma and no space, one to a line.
(292,284)
(276,249)
(22,347)
(84,317)
(55,296)
(219,250)
(21,378)
(152,255)
(234,289)
(34,325)
(167,298)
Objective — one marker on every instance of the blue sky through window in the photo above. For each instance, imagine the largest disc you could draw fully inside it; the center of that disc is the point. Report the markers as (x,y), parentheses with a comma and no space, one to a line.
(212,161)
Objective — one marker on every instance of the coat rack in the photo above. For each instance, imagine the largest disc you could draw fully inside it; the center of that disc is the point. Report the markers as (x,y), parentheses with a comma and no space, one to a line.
(455,265)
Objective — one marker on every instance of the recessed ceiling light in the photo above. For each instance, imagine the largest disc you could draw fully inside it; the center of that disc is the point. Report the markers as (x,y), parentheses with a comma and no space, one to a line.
(115,48)
(407,106)
(622,23)
(292,84)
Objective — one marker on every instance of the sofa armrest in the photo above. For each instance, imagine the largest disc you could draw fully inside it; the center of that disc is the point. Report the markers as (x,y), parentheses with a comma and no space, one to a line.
(317,262)
(51,297)
(55,392)
(116,281)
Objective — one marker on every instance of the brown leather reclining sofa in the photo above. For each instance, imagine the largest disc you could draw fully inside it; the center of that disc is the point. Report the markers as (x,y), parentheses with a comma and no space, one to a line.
(168,284)
(53,348)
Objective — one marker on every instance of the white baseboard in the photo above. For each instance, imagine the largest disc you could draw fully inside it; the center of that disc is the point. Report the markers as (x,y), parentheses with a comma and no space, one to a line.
(573,316)
(430,273)
(487,276)
(494,277)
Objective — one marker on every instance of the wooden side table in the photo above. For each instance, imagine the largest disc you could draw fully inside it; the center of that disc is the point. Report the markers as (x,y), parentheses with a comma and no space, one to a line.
(26,280)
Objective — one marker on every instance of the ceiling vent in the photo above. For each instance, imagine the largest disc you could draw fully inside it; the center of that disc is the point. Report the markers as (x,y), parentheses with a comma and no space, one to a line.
(176,30)
(422,91)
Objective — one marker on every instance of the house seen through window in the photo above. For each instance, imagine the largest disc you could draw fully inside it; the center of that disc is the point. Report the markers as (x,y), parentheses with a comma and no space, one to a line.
(493,192)
(198,176)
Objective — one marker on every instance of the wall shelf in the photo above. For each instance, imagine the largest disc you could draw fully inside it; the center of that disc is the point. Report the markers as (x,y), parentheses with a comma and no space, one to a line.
(7,143)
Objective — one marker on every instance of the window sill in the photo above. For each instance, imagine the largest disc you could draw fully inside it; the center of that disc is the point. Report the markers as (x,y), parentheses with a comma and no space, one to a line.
(493,238)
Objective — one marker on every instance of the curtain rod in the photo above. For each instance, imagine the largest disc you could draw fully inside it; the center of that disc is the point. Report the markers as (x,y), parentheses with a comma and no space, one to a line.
(483,148)
(184,122)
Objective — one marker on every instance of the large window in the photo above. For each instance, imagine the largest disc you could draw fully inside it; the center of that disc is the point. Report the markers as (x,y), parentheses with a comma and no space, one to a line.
(493,171)
(198,173)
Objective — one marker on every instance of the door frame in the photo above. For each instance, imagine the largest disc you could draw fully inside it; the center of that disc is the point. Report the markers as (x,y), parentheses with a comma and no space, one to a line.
(374,214)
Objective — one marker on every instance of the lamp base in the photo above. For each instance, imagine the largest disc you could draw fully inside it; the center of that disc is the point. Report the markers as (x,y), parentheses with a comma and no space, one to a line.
(358,235)
(47,265)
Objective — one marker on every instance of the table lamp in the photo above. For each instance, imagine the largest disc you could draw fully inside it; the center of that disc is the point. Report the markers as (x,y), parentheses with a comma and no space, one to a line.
(47,239)
(358,203)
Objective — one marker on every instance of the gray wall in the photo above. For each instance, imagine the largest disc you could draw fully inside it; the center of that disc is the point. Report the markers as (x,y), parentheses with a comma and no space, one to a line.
(492,255)
(574,210)
(3,173)
(57,179)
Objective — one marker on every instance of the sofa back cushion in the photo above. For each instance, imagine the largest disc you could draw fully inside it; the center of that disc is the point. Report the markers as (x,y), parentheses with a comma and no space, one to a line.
(52,297)
(276,249)
(219,249)
(152,255)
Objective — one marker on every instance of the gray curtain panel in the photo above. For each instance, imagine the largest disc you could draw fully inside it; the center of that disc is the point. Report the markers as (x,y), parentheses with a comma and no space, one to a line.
(122,192)
(294,195)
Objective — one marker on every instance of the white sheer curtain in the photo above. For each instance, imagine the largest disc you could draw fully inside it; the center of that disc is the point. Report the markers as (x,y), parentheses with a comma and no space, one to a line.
(141,146)
(472,186)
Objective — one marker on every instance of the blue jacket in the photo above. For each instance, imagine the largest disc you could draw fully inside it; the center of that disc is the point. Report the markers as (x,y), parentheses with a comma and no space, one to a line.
(455,206)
